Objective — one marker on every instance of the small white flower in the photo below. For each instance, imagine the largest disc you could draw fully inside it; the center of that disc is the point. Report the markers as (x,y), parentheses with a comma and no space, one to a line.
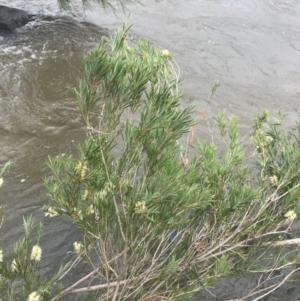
(269,139)
(1,181)
(14,266)
(85,195)
(290,215)
(140,207)
(274,180)
(1,255)
(78,247)
(34,296)
(81,169)
(36,253)
(51,212)
(90,210)
(166,53)
(77,214)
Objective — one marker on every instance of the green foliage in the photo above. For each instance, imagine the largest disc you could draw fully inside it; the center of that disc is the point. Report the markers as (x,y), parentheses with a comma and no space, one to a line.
(4,168)
(132,82)
(65,4)
(170,222)
(279,157)
(159,223)
(20,275)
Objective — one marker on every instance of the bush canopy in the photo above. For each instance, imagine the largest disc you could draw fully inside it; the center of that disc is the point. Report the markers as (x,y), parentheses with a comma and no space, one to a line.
(162,215)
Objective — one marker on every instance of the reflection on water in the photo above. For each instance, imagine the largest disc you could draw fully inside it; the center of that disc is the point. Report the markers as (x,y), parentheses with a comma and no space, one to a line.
(251,46)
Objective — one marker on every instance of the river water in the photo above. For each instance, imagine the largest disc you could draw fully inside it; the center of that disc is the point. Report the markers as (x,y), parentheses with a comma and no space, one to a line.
(251,46)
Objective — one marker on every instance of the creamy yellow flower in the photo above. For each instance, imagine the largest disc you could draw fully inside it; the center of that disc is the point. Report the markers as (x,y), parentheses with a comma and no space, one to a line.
(274,180)
(85,195)
(78,247)
(140,207)
(14,266)
(36,253)
(34,296)
(77,214)
(166,53)
(90,210)
(51,212)
(1,181)
(81,170)
(290,215)
(269,139)
(1,255)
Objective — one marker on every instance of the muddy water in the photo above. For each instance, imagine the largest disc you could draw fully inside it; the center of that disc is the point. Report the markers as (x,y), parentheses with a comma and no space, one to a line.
(251,46)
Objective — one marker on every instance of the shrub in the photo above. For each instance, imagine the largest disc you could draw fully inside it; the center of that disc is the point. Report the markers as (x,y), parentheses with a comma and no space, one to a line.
(159,221)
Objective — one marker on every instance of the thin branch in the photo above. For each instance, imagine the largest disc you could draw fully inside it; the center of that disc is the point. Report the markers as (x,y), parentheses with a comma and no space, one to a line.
(76,261)
(95,287)
(271,288)
(282,243)
(66,291)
